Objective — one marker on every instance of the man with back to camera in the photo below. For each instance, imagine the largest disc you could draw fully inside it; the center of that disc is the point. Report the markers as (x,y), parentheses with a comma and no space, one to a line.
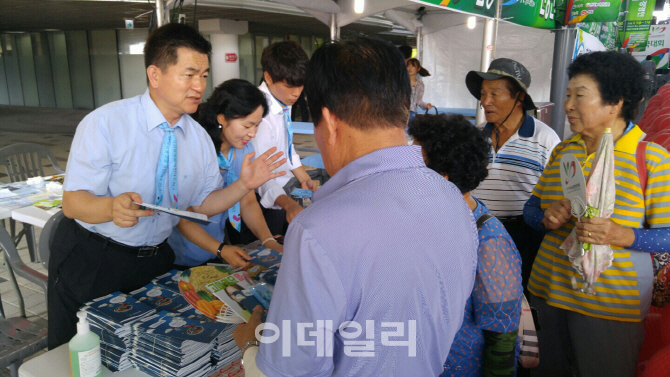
(141,149)
(649,76)
(376,272)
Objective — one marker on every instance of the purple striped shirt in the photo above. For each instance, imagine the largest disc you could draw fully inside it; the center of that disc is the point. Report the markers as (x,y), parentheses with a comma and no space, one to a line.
(387,244)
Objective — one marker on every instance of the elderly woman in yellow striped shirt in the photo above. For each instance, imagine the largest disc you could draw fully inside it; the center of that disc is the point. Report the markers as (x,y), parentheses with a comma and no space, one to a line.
(601,334)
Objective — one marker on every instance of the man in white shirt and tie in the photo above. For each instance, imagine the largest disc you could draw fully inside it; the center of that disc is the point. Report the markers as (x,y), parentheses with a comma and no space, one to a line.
(284,65)
(145,149)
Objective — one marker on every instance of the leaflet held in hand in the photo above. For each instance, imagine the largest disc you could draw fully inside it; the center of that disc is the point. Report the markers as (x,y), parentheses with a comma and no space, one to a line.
(192,216)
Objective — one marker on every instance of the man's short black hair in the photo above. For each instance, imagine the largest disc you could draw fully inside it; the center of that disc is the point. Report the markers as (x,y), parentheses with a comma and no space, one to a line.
(406,51)
(619,77)
(453,147)
(163,43)
(648,57)
(285,61)
(363,81)
(233,99)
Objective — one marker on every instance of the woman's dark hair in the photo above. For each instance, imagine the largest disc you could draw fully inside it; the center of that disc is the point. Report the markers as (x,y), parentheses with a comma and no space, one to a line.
(406,51)
(416,63)
(234,99)
(619,77)
(454,147)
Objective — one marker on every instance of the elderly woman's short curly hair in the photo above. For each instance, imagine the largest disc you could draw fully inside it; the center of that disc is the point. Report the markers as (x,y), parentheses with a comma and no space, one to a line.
(453,147)
(619,76)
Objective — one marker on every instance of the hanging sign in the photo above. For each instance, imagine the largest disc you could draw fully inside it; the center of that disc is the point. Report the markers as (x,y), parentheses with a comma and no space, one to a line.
(534,13)
(592,11)
(638,22)
(658,46)
(486,8)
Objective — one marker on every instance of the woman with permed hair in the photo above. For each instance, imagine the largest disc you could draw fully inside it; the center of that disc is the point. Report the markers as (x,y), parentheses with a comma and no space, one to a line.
(231,117)
(486,344)
(599,334)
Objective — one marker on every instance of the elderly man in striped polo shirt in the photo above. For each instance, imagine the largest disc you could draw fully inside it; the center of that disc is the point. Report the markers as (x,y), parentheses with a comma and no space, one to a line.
(520,148)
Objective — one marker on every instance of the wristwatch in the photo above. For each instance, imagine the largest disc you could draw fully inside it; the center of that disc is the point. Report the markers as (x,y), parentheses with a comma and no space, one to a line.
(218,251)
(251,343)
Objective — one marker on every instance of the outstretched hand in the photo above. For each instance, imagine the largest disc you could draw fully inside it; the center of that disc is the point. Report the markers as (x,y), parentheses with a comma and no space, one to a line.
(255,173)
(125,213)
(235,256)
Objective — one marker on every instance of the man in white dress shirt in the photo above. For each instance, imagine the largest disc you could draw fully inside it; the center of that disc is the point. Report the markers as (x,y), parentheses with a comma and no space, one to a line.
(284,65)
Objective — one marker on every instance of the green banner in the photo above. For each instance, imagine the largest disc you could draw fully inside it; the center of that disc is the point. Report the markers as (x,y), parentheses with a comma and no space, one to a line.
(534,13)
(485,8)
(638,22)
(592,11)
(606,32)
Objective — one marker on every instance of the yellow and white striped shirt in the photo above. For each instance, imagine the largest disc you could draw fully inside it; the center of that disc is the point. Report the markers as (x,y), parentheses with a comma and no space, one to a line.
(623,291)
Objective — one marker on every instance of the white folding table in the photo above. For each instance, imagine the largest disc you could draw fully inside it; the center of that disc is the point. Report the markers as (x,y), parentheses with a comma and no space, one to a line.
(56,363)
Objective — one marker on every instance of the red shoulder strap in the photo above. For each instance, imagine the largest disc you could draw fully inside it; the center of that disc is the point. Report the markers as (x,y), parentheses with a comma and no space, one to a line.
(640,155)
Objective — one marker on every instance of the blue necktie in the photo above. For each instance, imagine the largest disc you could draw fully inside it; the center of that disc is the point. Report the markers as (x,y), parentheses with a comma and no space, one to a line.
(168,159)
(289,129)
(227,165)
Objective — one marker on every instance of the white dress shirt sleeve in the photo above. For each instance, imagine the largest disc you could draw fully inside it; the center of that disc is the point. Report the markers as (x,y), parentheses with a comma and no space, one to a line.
(295,161)
(264,140)
(89,165)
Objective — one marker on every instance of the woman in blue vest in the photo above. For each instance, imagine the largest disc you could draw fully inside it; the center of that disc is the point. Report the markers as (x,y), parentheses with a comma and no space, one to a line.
(231,117)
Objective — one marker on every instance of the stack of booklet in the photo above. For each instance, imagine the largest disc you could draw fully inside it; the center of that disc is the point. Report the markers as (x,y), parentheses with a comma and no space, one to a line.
(178,341)
(167,344)
(226,350)
(111,318)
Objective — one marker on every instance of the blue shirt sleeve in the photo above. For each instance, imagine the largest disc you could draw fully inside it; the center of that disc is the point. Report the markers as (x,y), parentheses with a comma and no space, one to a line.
(533,214)
(651,240)
(498,290)
(308,292)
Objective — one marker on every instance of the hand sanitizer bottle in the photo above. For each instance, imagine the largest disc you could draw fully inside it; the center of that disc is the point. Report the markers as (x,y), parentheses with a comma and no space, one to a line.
(85,350)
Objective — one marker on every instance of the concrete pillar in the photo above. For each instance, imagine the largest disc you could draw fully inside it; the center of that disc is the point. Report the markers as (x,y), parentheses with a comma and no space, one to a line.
(225,62)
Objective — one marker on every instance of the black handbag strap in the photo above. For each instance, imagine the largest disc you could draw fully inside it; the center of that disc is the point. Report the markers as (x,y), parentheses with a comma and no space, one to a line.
(483,219)
(436,112)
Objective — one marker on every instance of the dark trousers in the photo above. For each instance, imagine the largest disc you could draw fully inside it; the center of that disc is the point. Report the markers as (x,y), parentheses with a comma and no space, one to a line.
(82,267)
(576,345)
(275,218)
(527,241)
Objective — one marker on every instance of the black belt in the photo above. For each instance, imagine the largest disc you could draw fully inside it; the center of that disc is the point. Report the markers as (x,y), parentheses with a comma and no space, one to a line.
(138,251)
(511,219)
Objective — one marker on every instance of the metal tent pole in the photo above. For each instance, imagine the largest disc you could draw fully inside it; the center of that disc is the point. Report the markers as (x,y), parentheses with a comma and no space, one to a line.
(564,45)
(488,53)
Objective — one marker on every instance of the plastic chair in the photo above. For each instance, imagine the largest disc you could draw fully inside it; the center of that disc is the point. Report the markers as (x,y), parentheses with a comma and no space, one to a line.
(47,236)
(16,266)
(19,339)
(22,161)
